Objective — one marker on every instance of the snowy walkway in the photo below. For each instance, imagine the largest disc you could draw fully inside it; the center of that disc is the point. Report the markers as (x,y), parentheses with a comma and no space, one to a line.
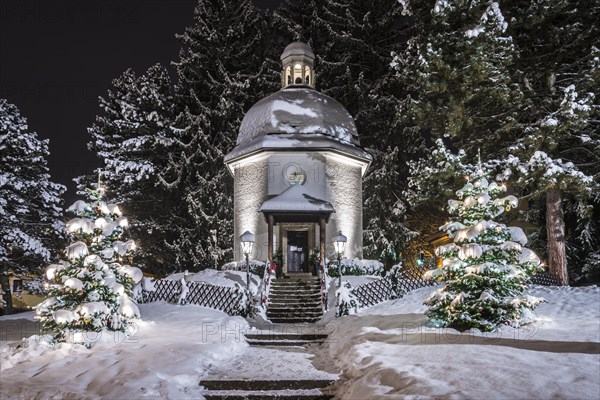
(284,371)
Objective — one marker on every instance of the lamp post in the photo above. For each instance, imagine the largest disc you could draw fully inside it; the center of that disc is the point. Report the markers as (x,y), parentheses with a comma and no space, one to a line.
(247,241)
(421,259)
(339,243)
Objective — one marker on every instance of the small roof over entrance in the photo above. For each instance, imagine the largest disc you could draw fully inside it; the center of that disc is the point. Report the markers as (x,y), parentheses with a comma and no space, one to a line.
(297,200)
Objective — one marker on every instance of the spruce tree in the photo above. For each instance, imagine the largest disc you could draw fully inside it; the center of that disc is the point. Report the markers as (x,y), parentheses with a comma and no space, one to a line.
(457,74)
(559,71)
(133,138)
(91,289)
(30,203)
(486,269)
(221,72)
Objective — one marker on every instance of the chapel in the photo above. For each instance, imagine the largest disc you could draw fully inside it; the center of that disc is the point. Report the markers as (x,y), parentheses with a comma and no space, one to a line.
(298,169)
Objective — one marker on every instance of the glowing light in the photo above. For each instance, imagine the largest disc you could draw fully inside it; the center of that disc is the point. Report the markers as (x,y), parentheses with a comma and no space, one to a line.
(472,250)
(77,250)
(101,223)
(103,208)
(114,209)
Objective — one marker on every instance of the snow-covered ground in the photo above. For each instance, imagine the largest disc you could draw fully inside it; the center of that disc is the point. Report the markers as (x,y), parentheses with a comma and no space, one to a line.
(387,352)
(165,358)
(384,352)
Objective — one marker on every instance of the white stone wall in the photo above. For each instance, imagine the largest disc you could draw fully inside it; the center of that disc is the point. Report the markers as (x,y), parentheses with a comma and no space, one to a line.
(250,191)
(344,189)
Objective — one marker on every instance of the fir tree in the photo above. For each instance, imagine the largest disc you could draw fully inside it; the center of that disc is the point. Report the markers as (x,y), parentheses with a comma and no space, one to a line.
(486,269)
(133,138)
(91,290)
(559,70)
(221,72)
(30,204)
(457,74)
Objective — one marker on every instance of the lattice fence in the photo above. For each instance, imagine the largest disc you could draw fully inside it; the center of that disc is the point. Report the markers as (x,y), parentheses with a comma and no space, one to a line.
(545,279)
(408,280)
(373,292)
(224,298)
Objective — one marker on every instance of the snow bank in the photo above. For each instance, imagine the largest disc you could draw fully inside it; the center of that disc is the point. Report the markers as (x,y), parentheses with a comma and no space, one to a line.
(165,357)
(388,352)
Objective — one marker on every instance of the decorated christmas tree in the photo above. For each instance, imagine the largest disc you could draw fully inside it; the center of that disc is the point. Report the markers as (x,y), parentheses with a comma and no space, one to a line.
(91,290)
(486,269)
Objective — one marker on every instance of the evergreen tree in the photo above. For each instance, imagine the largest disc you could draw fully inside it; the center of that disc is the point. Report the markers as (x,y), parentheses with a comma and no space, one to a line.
(91,290)
(559,70)
(221,72)
(525,88)
(457,73)
(486,269)
(352,40)
(133,138)
(30,204)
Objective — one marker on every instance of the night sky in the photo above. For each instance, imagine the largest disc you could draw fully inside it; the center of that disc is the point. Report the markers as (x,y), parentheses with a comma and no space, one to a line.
(58,56)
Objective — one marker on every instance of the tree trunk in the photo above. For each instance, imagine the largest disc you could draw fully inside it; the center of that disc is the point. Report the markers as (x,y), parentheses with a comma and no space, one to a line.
(7,296)
(555,227)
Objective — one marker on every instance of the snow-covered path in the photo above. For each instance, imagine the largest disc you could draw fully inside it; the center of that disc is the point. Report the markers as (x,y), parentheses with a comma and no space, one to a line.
(260,363)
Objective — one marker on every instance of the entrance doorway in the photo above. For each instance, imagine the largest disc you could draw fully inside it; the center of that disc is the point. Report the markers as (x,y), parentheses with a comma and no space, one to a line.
(297,251)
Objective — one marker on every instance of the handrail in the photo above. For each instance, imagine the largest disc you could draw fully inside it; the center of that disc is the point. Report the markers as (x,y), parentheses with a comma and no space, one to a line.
(270,267)
(324,281)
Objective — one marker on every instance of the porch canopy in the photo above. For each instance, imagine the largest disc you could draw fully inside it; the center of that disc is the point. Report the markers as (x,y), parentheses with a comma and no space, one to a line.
(297,204)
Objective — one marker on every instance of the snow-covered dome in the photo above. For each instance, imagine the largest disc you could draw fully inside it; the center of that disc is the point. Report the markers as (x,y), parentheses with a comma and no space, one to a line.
(297,116)
(298,110)
(297,49)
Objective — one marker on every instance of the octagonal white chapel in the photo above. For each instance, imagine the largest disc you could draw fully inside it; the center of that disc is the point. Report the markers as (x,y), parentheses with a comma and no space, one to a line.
(298,169)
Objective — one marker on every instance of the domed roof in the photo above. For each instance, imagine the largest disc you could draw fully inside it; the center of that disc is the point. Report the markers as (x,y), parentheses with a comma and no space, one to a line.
(297,49)
(298,110)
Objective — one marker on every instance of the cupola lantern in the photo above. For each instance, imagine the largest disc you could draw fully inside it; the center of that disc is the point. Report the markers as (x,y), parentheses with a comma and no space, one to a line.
(298,62)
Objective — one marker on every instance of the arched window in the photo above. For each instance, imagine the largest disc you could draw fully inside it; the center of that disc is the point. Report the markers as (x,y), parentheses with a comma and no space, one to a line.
(298,74)
(307,75)
(288,74)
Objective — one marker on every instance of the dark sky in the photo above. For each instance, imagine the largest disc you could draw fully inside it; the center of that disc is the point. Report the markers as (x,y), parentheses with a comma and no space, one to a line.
(58,56)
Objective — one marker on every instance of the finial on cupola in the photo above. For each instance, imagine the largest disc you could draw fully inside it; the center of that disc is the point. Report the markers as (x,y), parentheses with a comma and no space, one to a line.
(298,62)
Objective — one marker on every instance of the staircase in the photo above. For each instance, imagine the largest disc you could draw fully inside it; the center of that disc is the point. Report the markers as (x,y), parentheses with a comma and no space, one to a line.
(278,384)
(277,366)
(295,298)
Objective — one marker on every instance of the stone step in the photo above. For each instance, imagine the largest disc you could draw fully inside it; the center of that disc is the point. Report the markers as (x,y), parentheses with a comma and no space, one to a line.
(286,336)
(287,308)
(295,294)
(311,394)
(296,314)
(283,343)
(298,275)
(294,290)
(295,299)
(294,303)
(234,384)
(290,282)
(292,320)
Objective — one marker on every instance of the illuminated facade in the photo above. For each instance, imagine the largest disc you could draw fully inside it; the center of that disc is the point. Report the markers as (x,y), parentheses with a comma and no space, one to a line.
(298,170)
